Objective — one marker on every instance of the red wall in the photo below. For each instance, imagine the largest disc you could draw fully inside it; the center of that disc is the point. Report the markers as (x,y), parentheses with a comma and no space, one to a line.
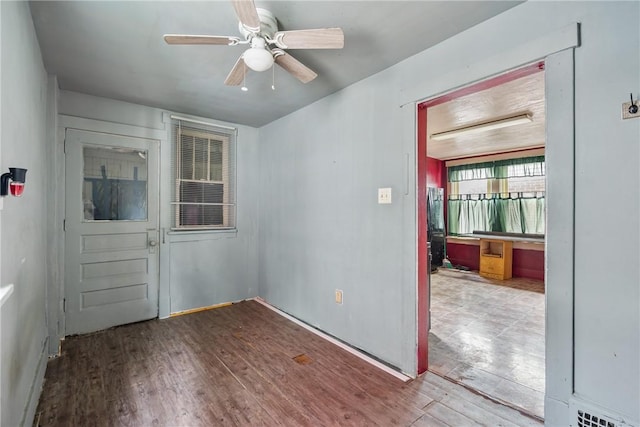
(526,263)
(461,254)
(436,173)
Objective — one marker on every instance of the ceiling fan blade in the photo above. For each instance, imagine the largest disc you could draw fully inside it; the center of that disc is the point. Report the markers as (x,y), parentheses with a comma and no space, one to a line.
(191,39)
(247,14)
(322,38)
(237,73)
(296,68)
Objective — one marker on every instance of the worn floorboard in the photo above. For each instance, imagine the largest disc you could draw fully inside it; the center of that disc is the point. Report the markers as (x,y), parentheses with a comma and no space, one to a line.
(241,365)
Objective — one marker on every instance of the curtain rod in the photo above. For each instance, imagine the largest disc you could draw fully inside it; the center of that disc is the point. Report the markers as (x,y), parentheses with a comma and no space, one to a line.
(203,123)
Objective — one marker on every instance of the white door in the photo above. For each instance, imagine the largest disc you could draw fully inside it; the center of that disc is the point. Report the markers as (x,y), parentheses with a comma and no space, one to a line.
(111,223)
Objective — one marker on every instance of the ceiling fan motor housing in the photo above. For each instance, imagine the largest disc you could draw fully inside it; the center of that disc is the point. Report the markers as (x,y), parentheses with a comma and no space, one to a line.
(268,25)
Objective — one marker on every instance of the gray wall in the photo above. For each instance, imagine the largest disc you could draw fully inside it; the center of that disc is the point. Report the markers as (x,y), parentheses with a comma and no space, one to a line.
(197,269)
(217,267)
(607,225)
(321,229)
(23,220)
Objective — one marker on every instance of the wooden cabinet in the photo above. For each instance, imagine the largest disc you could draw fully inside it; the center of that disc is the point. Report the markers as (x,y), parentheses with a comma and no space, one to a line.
(496,258)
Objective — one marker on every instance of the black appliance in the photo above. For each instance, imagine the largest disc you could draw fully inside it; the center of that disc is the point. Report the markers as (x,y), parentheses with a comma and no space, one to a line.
(435,224)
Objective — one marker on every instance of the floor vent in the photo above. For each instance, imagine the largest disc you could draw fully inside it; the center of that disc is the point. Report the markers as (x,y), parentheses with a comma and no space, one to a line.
(586,414)
(586,419)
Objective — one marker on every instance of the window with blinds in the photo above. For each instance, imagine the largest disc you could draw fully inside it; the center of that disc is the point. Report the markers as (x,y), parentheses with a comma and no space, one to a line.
(204,176)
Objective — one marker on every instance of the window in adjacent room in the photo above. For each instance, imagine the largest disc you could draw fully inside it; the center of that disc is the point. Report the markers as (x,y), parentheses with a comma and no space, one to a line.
(501,196)
(204,176)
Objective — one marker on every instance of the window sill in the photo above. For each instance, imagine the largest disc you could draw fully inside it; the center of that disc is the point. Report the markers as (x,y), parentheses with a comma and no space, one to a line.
(197,235)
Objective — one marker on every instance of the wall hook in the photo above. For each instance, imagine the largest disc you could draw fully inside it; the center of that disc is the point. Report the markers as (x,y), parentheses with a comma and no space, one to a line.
(633,108)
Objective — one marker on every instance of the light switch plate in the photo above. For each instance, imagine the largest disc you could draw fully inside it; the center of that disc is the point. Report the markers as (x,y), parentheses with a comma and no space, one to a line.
(625,111)
(384,196)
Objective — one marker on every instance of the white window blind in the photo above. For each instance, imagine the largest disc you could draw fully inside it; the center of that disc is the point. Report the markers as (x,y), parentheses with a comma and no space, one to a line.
(203,166)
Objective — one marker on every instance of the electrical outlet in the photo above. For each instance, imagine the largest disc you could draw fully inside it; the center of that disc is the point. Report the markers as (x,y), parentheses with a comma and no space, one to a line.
(626,114)
(338,296)
(384,196)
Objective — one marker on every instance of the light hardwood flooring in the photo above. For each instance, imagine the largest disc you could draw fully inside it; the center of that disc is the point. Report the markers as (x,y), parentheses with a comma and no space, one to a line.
(242,365)
(489,335)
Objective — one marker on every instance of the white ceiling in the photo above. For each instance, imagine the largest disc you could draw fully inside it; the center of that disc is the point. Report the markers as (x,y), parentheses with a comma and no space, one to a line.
(523,95)
(115,49)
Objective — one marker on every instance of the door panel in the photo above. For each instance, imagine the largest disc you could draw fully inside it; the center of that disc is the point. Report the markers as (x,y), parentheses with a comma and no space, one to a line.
(111,261)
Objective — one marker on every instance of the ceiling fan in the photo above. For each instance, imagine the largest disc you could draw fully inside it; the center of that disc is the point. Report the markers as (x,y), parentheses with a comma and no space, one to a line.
(259,27)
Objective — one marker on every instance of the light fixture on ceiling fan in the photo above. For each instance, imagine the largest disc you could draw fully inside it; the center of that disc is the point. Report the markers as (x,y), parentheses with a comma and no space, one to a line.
(504,122)
(257,57)
(268,45)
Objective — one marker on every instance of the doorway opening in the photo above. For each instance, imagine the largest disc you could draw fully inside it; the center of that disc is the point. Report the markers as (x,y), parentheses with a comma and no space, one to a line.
(481,214)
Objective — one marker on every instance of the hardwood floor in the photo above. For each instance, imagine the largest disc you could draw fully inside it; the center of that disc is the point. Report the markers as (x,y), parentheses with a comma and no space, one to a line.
(489,335)
(242,365)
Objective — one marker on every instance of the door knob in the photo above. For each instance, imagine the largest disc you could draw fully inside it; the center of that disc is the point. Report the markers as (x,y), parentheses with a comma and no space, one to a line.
(152,243)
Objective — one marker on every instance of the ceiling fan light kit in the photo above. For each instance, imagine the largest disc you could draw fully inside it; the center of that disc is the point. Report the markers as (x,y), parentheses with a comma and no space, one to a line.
(483,127)
(257,57)
(260,29)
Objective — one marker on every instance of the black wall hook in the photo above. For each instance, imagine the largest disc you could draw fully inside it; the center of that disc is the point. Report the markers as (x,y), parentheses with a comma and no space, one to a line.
(633,108)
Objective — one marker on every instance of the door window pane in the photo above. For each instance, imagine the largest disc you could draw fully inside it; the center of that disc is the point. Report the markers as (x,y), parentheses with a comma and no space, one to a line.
(114,184)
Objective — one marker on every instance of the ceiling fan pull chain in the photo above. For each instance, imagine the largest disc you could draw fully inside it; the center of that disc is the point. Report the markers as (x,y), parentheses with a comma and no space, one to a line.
(273,78)
(244,79)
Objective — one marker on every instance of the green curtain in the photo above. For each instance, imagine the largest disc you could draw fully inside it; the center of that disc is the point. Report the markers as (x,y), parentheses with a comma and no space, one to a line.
(526,166)
(477,215)
(469,215)
(521,215)
(453,216)
(470,172)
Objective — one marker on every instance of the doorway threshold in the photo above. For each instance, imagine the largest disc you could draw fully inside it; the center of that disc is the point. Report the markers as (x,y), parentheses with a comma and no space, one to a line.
(489,397)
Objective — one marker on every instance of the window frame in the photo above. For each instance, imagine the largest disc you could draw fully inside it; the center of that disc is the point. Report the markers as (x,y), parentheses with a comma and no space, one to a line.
(497,185)
(228,164)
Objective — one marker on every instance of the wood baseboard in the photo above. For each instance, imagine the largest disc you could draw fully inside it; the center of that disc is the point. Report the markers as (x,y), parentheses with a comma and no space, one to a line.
(196,310)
